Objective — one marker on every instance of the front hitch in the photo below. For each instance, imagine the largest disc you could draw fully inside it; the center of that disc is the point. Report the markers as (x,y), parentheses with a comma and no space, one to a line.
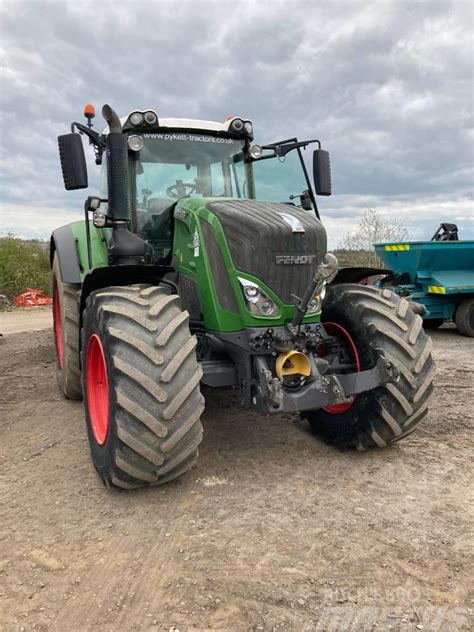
(322,390)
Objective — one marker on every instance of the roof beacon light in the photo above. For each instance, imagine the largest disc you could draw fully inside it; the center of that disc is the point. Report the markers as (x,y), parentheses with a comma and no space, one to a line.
(89,111)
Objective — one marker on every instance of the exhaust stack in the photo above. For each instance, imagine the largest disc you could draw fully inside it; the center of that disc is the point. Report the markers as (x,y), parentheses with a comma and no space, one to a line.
(117,167)
(125,247)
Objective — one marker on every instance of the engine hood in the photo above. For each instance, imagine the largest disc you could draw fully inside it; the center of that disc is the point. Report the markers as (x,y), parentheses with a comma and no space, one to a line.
(279,243)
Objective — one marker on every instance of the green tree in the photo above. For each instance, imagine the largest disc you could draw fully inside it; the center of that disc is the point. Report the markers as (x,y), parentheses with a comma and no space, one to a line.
(23,264)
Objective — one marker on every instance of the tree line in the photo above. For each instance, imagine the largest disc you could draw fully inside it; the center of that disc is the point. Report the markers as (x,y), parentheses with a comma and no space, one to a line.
(23,264)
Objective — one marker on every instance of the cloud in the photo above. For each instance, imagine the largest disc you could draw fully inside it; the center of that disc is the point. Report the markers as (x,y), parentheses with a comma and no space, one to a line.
(386,86)
(421,215)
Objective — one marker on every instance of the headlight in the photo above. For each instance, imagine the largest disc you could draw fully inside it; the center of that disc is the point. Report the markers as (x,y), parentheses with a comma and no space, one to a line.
(237,125)
(315,303)
(257,302)
(150,118)
(136,118)
(267,307)
(251,293)
(99,219)
(248,127)
(255,151)
(135,143)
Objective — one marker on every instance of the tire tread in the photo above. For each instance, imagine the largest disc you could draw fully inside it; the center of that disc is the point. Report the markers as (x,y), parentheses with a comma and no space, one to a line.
(155,378)
(392,411)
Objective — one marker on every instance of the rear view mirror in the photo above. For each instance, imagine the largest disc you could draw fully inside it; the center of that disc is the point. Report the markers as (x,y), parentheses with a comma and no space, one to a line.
(73,162)
(322,172)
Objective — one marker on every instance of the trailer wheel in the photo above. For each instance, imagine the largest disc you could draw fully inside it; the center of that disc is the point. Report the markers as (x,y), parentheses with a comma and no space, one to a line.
(432,323)
(377,323)
(141,386)
(464,317)
(66,334)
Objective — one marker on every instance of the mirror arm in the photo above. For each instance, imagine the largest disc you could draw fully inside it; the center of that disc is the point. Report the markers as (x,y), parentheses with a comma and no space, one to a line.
(282,148)
(280,142)
(95,139)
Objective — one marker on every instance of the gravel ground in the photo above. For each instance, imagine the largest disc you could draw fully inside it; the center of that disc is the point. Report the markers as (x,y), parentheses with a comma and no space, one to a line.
(272,530)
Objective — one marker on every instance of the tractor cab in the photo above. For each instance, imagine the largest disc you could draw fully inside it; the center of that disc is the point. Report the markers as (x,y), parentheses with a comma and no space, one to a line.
(172,159)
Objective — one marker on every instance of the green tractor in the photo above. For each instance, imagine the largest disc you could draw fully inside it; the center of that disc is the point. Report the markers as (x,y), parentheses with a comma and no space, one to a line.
(203,264)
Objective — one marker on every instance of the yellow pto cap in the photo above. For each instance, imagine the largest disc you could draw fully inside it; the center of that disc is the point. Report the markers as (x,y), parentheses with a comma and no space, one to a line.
(292,363)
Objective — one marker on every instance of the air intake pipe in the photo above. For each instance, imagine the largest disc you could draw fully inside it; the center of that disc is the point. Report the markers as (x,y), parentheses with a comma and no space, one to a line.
(125,248)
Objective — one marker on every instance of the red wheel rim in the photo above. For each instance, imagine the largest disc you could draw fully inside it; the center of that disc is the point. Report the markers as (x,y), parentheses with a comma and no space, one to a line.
(333,329)
(58,330)
(97,389)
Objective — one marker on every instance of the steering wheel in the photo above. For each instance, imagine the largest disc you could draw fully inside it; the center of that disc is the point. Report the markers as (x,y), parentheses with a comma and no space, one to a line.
(178,190)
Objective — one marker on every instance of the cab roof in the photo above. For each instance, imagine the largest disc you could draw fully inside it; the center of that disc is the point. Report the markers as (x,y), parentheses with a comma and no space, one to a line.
(186,123)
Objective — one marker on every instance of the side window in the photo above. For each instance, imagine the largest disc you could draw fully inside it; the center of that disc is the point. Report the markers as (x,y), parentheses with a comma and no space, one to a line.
(277,179)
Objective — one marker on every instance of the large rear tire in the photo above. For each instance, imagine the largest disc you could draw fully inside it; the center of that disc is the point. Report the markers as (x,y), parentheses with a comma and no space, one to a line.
(141,384)
(378,323)
(66,334)
(464,318)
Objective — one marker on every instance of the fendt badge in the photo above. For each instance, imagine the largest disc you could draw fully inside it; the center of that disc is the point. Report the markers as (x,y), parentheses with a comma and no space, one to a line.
(295,259)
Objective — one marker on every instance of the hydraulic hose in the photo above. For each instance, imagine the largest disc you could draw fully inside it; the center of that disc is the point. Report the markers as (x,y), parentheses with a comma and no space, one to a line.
(325,272)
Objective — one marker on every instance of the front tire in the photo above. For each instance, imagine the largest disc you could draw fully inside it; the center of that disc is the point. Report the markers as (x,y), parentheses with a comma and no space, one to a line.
(66,334)
(141,384)
(379,324)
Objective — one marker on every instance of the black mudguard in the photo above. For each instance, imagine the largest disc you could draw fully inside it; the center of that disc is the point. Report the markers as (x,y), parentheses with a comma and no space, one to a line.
(355,275)
(64,243)
(125,275)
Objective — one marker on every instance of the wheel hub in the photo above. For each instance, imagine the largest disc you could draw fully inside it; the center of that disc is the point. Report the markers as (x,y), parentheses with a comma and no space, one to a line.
(58,330)
(333,329)
(97,389)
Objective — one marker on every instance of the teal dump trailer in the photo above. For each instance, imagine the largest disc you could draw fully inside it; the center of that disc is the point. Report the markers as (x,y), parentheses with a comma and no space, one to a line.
(437,274)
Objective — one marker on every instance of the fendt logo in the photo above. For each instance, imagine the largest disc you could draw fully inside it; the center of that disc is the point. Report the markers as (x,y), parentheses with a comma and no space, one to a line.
(295,259)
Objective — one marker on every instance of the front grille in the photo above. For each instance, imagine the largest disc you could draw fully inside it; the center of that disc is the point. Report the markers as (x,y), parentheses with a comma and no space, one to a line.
(189,293)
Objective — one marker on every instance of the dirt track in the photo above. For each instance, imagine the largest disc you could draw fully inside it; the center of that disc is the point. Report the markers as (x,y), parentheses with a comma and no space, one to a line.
(272,530)
(14,321)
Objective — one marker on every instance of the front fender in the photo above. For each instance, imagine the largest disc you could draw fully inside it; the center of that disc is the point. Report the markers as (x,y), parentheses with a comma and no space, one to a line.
(354,275)
(65,245)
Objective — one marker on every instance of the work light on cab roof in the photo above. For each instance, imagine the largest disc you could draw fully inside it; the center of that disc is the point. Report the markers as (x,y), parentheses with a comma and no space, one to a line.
(141,119)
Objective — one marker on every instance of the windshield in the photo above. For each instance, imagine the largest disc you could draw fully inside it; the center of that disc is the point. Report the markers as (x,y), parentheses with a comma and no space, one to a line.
(175,165)
(182,164)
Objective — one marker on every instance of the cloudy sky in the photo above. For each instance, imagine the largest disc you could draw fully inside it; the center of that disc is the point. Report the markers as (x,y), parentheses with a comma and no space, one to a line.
(387,86)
